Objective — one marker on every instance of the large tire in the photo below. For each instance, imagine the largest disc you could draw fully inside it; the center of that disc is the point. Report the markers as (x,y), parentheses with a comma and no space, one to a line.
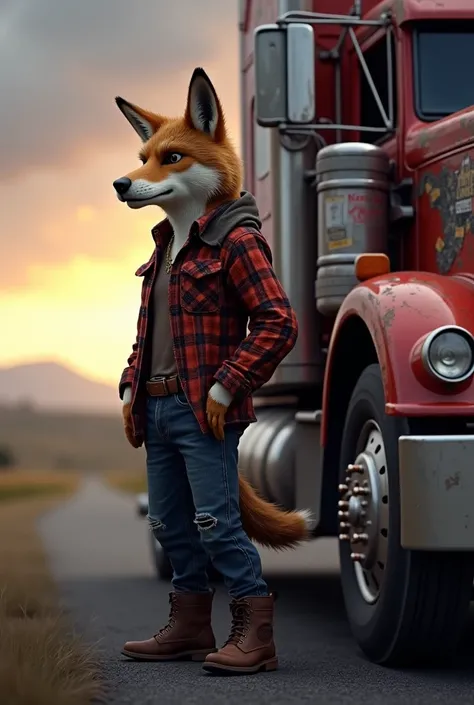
(405,608)
(163,568)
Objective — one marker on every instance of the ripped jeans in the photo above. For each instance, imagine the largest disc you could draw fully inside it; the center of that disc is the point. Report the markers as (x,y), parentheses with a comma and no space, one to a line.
(193,495)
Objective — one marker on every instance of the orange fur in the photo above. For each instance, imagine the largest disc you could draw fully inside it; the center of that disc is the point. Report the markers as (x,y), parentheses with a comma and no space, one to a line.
(268,525)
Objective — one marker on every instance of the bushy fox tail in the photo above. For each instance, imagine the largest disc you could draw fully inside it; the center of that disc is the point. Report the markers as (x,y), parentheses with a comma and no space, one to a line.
(269,525)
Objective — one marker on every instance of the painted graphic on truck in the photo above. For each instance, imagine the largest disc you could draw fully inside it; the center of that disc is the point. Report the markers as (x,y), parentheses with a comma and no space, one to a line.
(452,193)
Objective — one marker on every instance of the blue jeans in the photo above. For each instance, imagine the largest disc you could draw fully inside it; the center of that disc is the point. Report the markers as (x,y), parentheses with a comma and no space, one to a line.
(193,495)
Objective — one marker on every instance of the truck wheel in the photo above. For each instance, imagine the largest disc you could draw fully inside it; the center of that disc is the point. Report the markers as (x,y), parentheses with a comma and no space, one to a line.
(405,608)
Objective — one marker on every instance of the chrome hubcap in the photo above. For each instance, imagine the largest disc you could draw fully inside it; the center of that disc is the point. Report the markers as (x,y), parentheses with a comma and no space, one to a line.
(363,511)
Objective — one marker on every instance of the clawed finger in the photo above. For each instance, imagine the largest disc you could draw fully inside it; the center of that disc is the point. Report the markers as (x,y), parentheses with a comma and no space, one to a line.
(131,438)
(213,421)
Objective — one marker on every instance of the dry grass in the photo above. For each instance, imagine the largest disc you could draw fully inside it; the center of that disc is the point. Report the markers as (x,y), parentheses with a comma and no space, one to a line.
(41,661)
(24,485)
(132,483)
(61,440)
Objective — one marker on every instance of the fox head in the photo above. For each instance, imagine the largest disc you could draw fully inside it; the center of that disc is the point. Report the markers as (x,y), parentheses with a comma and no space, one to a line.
(187,161)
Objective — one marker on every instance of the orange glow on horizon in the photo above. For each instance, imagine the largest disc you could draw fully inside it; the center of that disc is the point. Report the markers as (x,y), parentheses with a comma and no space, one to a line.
(83,312)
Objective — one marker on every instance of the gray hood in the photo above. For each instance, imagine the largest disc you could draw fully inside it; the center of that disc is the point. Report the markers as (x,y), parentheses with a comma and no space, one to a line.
(243,212)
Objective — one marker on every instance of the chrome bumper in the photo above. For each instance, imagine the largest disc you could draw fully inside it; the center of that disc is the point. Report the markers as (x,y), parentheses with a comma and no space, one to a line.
(437,492)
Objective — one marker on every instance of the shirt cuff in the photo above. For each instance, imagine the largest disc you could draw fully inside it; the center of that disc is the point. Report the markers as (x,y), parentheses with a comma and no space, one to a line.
(233,381)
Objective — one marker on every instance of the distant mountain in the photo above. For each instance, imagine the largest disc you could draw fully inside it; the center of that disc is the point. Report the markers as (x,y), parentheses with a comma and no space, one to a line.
(48,385)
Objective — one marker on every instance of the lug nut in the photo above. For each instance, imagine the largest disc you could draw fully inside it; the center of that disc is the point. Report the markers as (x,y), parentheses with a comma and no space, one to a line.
(355,468)
(344,537)
(364,503)
(360,538)
(344,525)
(343,515)
(342,504)
(361,491)
(358,557)
(343,488)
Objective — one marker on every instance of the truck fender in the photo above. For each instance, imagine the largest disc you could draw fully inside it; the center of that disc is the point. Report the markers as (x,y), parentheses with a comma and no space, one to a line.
(381,320)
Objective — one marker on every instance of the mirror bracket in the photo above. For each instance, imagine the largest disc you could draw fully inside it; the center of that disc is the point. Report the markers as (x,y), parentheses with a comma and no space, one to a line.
(285,59)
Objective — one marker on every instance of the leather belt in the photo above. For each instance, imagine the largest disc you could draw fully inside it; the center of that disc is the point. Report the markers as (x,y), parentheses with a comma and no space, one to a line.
(164,386)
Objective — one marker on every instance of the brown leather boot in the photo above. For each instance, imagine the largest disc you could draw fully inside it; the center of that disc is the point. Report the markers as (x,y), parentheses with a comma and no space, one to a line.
(250,647)
(188,634)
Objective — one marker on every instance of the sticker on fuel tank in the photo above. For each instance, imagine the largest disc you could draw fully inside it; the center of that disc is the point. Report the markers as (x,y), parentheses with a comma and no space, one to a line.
(335,217)
(452,193)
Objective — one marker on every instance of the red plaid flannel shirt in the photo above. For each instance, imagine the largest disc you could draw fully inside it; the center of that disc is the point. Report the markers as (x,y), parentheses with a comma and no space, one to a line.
(214,293)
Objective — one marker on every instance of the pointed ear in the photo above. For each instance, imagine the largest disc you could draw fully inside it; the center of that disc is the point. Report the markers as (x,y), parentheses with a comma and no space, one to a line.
(204,111)
(142,121)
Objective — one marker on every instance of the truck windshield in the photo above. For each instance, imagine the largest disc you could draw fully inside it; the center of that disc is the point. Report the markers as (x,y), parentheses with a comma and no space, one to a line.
(443,70)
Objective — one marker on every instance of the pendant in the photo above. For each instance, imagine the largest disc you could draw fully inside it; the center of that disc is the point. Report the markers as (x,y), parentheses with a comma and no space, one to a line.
(169,261)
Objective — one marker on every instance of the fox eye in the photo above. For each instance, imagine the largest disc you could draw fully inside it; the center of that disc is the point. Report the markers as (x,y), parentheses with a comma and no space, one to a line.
(172,158)
(142,159)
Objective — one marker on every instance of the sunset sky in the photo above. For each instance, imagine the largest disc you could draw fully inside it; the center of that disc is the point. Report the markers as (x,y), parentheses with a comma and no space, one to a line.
(69,249)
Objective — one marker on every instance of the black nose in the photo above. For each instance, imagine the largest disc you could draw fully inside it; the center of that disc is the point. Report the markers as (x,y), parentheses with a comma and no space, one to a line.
(122,185)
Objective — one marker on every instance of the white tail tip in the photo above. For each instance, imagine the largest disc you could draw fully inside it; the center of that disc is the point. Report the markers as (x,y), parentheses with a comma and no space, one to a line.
(307,517)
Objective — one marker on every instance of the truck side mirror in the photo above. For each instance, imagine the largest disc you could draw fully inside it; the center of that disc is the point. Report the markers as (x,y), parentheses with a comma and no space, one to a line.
(284,74)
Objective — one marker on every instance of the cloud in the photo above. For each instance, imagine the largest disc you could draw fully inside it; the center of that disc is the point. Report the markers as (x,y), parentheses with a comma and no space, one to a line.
(63,61)
(62,139)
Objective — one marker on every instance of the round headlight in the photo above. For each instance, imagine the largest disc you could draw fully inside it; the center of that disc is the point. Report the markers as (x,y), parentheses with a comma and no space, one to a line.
(449,354)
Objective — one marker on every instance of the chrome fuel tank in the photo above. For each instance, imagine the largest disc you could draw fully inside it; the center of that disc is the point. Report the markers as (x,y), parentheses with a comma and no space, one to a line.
(267,455)
(353,212)
(281,457)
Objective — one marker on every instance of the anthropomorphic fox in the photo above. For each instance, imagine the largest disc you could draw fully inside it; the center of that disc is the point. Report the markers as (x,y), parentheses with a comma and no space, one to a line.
(214,324)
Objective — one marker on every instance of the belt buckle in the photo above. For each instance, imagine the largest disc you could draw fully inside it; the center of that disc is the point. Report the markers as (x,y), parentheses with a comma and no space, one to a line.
(163,382)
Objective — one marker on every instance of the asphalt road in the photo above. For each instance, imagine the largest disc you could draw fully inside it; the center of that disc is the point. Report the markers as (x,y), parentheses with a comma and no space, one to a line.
(100,555)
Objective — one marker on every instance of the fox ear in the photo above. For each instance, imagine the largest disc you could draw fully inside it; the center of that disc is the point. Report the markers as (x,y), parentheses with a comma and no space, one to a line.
(142,121)
(204,111)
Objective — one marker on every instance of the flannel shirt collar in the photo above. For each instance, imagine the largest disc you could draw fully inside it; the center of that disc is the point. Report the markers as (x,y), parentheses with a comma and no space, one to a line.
(162,231)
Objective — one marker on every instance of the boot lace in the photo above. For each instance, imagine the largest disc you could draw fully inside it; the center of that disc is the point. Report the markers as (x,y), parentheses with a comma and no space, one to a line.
(171,619)
(240,621)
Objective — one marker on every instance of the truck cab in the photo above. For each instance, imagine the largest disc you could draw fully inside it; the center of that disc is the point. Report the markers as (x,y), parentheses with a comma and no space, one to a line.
(358,138)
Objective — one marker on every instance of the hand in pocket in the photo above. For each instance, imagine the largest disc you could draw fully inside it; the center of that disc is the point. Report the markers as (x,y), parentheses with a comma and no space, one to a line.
(127,423)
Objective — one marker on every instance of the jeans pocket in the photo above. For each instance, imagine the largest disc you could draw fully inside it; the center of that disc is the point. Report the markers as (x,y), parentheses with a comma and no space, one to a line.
(181,399)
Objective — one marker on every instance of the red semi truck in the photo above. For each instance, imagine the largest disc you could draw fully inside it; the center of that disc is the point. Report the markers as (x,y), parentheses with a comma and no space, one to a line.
(358,136)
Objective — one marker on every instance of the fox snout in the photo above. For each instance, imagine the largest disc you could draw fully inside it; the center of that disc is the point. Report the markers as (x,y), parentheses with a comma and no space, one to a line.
(122,185)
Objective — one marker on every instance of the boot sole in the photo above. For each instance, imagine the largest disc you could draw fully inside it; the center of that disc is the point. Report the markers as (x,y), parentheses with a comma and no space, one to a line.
(183,656)
(220,668)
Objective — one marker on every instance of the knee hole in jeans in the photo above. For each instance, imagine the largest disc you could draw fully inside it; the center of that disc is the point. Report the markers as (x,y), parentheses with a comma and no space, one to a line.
(155,524)
(205,521)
